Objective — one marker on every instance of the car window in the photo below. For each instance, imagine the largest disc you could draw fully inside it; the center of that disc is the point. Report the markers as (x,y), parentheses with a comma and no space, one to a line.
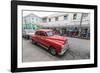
(50,33)
(37,33)
(42,34)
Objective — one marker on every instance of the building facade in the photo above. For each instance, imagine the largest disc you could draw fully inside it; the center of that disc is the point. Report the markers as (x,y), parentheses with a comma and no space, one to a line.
(64,23)
(31,21)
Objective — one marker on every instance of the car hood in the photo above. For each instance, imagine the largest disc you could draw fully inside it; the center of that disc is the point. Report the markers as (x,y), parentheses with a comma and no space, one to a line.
(59,39)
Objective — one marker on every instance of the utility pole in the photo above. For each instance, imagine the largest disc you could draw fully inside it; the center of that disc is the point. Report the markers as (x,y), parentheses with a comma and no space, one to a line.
(80,26)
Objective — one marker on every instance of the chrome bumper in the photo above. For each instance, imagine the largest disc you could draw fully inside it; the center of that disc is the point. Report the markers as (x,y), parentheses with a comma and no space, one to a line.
(64,49)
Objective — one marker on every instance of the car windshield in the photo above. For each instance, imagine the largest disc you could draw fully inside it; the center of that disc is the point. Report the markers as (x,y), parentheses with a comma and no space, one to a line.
(50,33)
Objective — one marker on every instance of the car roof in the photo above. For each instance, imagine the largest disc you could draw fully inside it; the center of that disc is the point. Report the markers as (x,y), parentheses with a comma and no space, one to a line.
(44,30)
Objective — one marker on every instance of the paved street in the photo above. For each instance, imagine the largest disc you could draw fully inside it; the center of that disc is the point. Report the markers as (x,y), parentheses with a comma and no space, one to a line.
(79,49)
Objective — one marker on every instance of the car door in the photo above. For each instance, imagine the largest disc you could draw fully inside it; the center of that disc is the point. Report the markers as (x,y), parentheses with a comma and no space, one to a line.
(43,39)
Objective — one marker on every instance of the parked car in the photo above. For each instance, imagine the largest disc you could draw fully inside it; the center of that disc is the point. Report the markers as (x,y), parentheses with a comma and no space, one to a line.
(55,44)
(28,33)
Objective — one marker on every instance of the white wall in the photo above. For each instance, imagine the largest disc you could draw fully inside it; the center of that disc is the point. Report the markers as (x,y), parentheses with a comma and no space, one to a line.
(5,32)
(69,21)
(61,22)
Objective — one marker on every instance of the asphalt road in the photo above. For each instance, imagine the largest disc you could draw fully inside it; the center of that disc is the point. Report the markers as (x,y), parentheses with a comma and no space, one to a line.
(79,49)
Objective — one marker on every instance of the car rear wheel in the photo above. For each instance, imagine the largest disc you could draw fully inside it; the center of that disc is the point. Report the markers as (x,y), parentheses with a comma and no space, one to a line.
(33,42)
(28,37)
(52,51)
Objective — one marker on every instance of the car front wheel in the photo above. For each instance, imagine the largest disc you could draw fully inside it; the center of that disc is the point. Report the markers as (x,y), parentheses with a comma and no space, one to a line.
(52,51)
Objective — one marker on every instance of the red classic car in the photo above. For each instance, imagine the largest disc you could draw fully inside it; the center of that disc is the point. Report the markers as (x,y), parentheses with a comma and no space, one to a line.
(56,45)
